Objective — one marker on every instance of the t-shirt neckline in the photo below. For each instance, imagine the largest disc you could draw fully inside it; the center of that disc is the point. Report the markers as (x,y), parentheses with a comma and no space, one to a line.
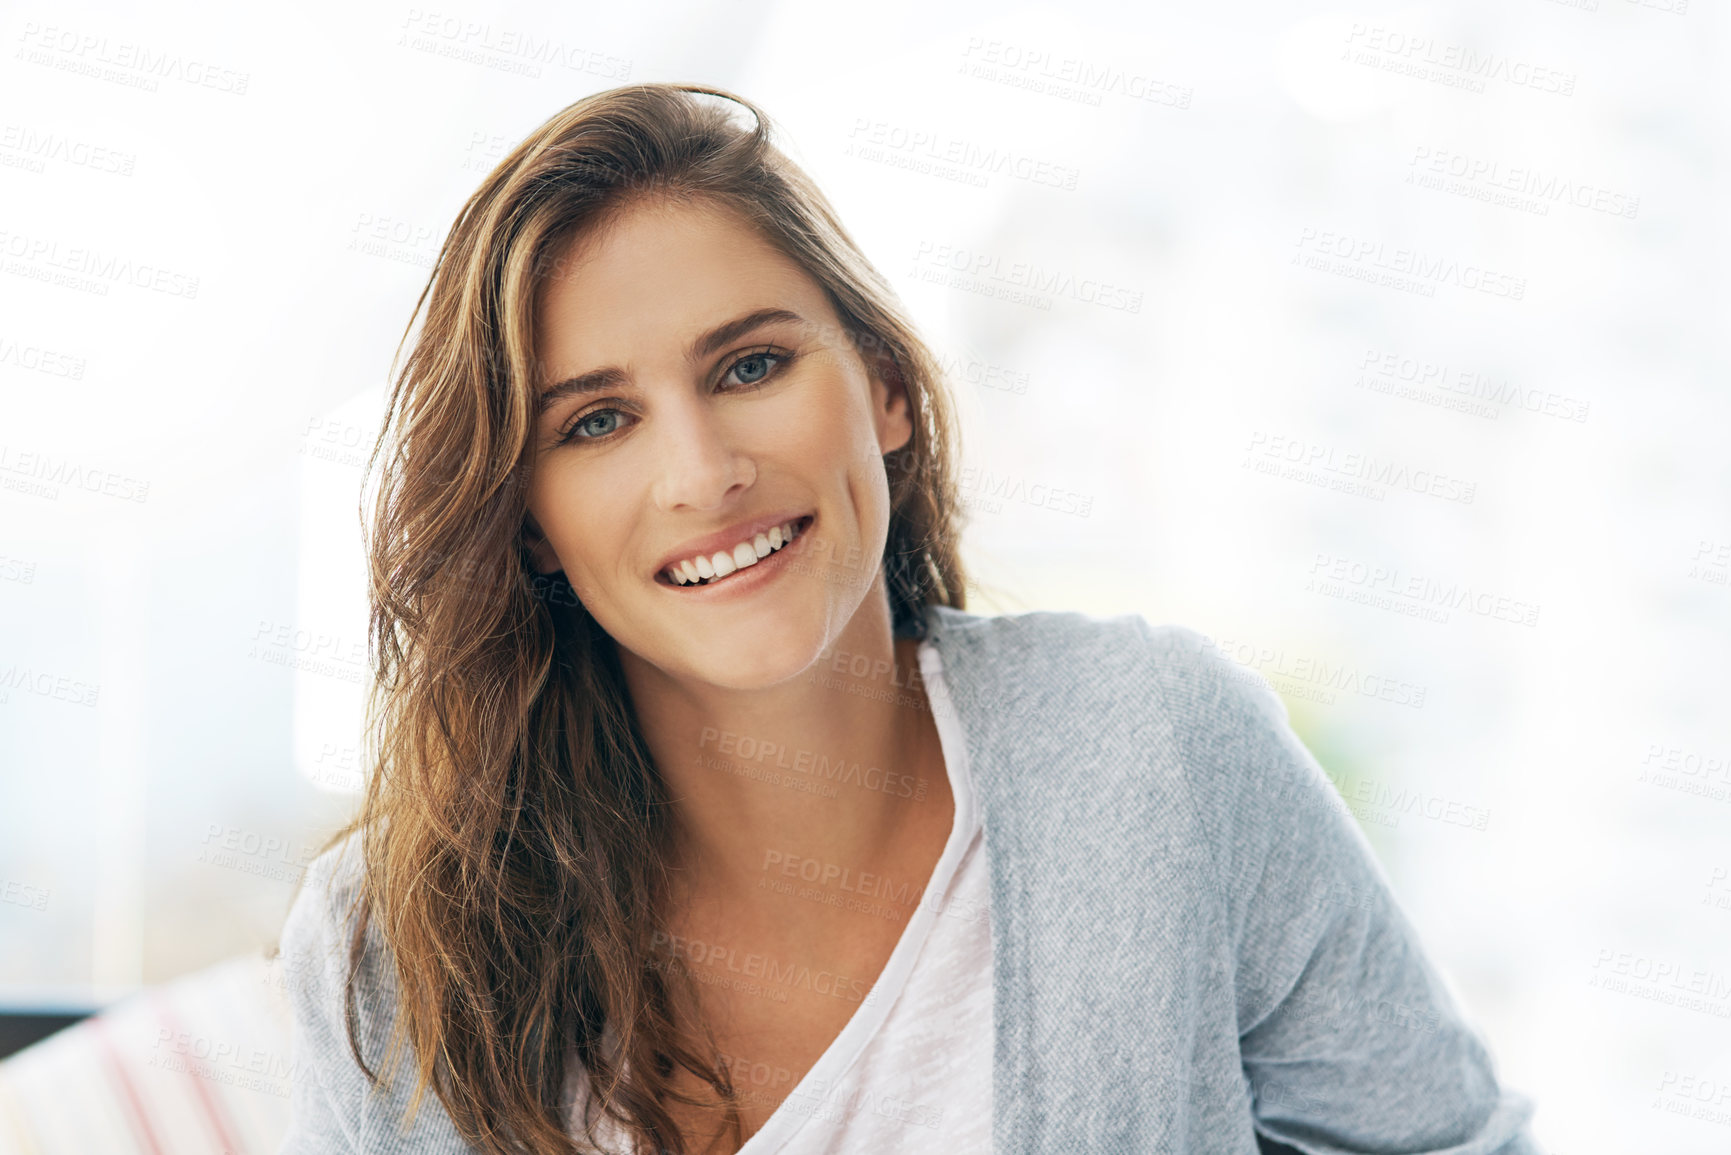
(845,1049)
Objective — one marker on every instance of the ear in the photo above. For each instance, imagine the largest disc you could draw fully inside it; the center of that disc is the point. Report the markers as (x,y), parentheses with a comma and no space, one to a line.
(891,410)
(540,549)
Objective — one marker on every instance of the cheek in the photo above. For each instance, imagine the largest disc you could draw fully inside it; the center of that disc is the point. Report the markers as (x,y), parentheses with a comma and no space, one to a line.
(565,523)
(830,424)
(585,544)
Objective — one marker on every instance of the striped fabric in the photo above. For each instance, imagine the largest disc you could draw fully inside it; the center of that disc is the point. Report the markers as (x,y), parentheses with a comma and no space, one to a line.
(199,1066)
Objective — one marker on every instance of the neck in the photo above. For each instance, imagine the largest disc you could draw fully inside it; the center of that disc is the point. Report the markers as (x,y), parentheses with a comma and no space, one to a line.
(830,766)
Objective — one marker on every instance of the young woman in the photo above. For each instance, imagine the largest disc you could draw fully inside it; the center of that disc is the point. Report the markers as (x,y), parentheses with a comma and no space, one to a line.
(705,817)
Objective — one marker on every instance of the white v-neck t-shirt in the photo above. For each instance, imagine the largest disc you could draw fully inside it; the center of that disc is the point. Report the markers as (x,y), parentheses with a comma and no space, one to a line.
(911,1072)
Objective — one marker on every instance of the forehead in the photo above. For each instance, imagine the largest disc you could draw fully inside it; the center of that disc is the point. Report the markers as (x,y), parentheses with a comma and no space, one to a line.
(648,276)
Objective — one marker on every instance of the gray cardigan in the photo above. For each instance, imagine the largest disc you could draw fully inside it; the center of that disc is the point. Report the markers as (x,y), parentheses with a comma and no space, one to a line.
(1192,941)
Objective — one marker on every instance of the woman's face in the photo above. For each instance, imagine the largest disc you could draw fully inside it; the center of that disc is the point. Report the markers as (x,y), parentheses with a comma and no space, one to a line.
(695,425)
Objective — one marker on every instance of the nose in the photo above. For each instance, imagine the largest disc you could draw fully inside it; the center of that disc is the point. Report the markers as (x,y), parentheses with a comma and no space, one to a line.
(701,465)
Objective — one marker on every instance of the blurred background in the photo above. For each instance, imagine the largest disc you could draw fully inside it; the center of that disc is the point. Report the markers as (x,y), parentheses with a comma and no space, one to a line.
(1384,344)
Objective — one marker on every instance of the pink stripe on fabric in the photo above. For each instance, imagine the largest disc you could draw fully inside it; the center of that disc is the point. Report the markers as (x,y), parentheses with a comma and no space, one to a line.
(219,1121)
(134,1106)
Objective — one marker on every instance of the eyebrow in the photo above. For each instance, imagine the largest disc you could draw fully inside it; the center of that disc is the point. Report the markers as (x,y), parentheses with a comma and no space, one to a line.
(597,380)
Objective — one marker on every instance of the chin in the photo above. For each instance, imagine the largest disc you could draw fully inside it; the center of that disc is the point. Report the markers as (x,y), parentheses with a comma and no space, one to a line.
(758,666)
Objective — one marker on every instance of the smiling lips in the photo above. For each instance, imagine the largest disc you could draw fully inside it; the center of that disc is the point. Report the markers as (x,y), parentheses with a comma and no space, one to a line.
(707,569)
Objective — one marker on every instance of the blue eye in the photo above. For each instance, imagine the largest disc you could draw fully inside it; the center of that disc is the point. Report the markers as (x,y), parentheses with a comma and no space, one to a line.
(755,368)
(752,369)
(585,427)
(589,430)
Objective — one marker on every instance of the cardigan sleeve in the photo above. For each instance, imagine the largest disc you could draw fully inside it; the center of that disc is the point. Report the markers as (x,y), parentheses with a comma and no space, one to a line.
(1349,1038)
(313,952)
(333,1107)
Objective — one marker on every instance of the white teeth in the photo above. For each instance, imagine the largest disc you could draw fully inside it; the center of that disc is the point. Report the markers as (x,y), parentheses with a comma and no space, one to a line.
(723,562)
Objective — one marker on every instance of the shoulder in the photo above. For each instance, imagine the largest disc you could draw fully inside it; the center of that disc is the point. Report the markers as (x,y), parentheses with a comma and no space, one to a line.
(323,913)
(335,1105)
(317,960)
(1176,672)
(1133,707)
(1041,645)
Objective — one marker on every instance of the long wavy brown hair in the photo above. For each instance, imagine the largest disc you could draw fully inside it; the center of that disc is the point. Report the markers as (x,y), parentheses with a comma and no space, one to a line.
(514,828)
